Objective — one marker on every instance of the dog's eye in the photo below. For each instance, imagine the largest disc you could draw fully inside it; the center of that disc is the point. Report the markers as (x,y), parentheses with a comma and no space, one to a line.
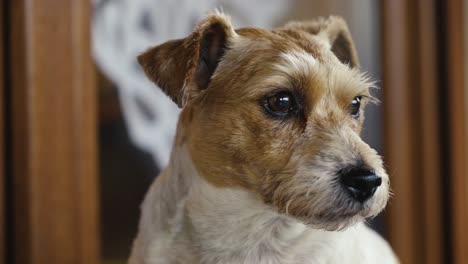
(281,104)
(355,106)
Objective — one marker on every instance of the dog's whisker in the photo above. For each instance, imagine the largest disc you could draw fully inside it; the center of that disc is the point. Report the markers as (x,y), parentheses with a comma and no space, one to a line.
(268,163)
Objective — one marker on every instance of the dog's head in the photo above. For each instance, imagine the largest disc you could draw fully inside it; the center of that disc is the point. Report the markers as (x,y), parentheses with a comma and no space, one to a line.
(276,112)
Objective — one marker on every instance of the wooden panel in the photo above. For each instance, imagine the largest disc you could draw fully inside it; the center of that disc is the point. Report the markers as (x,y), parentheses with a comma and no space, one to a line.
(412,139)
(53,132)
(457,134)
(399,129)
(2,138)
(427,98)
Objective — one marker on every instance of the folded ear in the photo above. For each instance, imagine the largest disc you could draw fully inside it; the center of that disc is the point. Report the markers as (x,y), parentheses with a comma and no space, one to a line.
(334,30)
(183,67)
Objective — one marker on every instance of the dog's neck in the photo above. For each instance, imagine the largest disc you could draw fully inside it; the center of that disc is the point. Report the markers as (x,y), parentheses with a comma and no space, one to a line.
(233,222)
(185,219)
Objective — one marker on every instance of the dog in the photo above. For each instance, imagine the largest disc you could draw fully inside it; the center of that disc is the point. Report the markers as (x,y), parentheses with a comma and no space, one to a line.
(268,165)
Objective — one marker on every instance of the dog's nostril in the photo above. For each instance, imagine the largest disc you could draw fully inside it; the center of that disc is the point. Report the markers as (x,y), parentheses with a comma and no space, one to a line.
(360,183)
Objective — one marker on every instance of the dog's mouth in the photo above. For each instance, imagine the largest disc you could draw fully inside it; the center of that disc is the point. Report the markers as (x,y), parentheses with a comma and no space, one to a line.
(334,222)
(340,218)
(343,214)
(335,218)
(330,208)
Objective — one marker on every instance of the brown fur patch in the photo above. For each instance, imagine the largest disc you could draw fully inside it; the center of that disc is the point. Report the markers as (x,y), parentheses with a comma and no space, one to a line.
(334,30)
(231,138)
(244,146)
(182,67)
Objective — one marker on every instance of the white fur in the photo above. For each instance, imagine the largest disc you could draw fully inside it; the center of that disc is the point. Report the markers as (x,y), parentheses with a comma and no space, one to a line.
(299,62)
(187,220)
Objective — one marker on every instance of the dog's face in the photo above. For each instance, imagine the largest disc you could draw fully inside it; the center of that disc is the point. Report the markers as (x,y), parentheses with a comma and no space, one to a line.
(277,113)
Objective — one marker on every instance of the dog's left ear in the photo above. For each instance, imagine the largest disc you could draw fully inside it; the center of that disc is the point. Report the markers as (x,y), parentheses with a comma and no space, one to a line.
(183,67)
(335,31)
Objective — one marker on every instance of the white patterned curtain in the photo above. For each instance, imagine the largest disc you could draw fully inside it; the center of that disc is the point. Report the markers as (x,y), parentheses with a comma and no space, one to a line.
(122,29)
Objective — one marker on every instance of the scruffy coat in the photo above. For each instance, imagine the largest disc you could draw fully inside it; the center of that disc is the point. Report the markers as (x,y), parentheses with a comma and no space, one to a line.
(246,187)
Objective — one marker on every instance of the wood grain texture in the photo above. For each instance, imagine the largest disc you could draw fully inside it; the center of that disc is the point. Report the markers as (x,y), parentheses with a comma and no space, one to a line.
(427,100)
(398,129)
(2,139)
(412,139)
(457,133)
(54,132)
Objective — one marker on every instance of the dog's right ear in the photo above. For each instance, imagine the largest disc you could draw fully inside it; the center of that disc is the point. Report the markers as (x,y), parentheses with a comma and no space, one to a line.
(183,67)
(335,31)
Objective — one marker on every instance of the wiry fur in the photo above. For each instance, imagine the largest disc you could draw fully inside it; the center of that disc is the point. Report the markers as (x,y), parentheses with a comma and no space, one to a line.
(243,187)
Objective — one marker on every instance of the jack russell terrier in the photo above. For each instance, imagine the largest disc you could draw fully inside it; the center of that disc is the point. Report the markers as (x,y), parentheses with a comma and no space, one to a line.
(268,165)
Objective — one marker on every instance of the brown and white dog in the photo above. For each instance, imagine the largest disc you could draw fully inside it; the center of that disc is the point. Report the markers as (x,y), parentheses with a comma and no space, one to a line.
(268,165)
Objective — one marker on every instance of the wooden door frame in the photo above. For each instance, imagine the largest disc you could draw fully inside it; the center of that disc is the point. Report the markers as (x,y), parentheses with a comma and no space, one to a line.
(407,114)
(2,138)
(423,99)
(456,116)
(53,133)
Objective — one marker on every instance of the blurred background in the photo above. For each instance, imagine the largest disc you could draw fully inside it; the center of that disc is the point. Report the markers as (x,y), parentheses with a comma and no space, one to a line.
(83,133)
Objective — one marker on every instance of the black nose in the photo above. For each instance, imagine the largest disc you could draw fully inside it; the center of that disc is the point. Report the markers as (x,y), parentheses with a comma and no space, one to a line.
(360,182)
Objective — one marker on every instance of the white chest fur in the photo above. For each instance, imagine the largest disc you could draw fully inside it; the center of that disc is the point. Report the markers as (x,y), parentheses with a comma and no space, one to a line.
(187,220)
